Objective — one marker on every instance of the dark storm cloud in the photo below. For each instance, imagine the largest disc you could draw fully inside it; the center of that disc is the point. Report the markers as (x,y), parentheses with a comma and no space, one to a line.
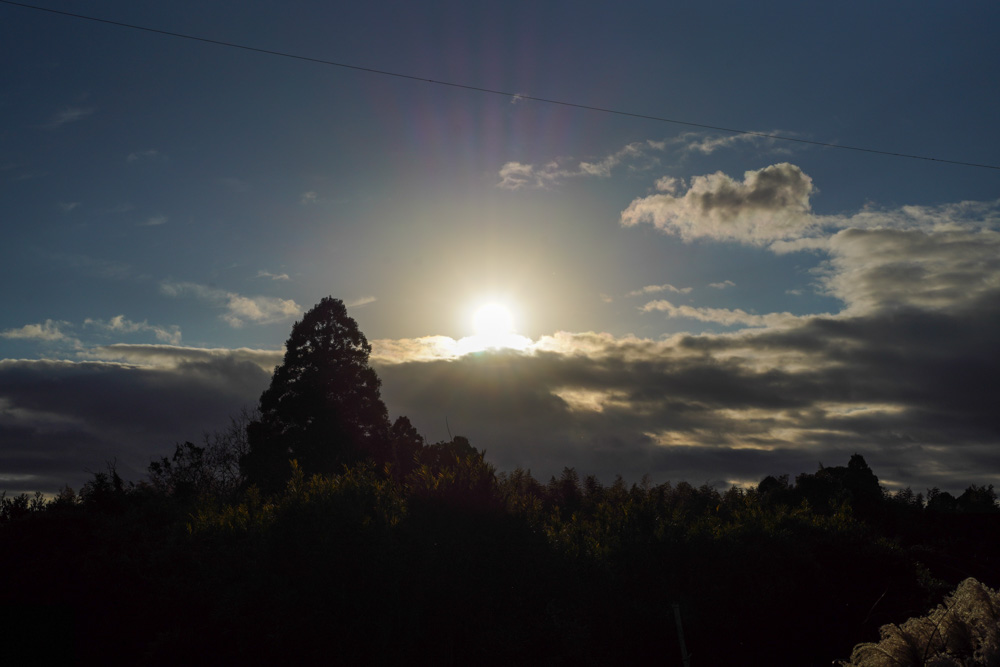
(59,419)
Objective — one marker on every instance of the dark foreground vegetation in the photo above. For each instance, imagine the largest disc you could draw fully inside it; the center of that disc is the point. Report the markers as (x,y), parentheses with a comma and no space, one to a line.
(314,531)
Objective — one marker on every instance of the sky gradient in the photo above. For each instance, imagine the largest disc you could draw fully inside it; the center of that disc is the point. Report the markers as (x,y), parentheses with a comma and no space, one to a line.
(701,305)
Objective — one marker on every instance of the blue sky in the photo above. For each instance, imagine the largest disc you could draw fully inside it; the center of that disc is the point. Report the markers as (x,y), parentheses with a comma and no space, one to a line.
(699,305)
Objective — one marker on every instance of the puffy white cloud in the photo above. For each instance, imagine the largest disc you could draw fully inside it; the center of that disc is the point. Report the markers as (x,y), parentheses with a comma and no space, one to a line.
(767,205)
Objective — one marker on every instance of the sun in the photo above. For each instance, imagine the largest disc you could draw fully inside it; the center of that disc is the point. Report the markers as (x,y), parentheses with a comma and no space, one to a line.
(493,319)
(493,324)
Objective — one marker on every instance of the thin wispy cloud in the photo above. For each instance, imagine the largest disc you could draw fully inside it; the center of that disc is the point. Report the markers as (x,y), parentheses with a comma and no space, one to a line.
(119,324)
(706,145)
(175,357)
(144,155)
(239,310)
(723,285)
(69,115)
(361,301)
(653,289)
(724,316)
(273,276)
(154,221)
(637,156)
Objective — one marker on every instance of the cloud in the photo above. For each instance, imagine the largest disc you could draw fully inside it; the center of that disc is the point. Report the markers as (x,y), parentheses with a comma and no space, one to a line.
(172,357)
(273,276)
(67,207)
(668,184)
(515,175)
(905,374)
(636,156)
(143,155)
(361,301)
(48,331)
(240,309)
(154,221)
(652,289)
(889,269)
(308,198)
(60,419)
(706,145)
(767,205)
(120,324)
(914,391)
(69,115)
(723,285)
(722,316)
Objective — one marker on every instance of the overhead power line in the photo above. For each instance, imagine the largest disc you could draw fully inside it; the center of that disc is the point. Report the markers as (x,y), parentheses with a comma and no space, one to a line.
(520,96)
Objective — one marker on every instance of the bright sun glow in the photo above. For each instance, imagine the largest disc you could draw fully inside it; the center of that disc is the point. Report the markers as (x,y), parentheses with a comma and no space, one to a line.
(493,319)
(493,324)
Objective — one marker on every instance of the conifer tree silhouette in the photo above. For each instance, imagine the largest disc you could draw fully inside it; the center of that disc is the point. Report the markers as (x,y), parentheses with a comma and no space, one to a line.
(323,407)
